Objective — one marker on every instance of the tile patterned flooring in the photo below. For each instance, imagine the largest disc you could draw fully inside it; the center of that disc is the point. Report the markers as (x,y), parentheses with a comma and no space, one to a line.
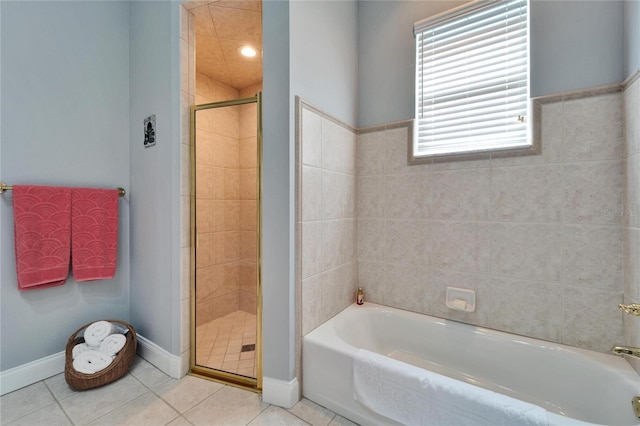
(219,343)
(147,396)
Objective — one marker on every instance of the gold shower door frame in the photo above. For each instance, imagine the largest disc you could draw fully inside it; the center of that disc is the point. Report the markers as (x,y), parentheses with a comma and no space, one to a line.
(253,384)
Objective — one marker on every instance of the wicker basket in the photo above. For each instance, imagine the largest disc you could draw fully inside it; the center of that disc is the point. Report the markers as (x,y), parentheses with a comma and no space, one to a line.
(114,371)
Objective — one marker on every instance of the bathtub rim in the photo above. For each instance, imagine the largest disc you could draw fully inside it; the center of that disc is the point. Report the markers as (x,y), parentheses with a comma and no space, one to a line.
(328,337)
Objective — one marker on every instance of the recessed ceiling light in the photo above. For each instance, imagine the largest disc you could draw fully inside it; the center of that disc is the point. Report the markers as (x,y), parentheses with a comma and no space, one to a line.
(248,51)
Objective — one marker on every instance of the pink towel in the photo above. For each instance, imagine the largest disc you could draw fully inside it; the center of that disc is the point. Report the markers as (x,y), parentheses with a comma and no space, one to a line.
(42,220)
(94,233)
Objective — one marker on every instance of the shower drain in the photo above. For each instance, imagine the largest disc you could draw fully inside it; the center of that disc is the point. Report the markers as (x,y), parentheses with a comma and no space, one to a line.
(248,348)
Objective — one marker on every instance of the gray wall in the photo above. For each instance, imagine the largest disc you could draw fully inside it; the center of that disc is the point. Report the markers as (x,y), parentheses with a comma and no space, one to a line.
(574,45)
(65,121)
(386,57)
(631,36)
(277,243)
(310,50)
(324,55)
(155,173)
(323,65)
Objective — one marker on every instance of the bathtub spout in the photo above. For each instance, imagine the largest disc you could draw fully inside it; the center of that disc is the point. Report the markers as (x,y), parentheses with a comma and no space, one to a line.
(626,350)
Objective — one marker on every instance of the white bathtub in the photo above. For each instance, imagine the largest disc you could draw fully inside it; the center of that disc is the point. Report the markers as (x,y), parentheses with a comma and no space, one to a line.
(575,386)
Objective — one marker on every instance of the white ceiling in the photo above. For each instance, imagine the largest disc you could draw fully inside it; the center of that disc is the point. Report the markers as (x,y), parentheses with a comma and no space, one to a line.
(222,27)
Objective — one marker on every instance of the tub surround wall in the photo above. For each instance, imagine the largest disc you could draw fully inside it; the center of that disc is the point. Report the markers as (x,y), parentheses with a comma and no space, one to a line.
(631,211)
(536,237)
(539,238)
(326,215)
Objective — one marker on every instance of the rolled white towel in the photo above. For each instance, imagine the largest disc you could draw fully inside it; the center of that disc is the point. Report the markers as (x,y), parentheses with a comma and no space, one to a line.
(112,344)
(78,349)
(97,332)
(90,362)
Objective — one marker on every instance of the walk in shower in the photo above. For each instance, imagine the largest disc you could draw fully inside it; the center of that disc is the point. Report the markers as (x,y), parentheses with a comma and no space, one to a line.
(225,72)
(226,250)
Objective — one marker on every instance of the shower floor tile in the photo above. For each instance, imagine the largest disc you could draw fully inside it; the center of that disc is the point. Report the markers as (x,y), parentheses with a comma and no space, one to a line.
(228,343)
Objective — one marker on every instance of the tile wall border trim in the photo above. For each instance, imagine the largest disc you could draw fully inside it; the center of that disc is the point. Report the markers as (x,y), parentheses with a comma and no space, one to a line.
(306,105)
(389,126)
(580,93)
(631,79)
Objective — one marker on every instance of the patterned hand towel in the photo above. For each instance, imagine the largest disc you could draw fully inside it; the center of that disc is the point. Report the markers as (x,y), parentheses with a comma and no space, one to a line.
(94,233)
(42,229)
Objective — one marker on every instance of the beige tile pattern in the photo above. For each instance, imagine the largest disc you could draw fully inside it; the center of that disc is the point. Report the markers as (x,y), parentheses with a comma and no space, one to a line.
(631,212)
(221,29)
(594,265)
(593,128)
(219,343)
(526,194)
(146,396)
(593,192)
(536,237)
(549,242)
(326,216)
(226,208)
(460,195)
(187,98)
(525,307)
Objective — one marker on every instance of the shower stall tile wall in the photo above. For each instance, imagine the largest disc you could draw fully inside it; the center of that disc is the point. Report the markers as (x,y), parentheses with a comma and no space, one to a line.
(225,202)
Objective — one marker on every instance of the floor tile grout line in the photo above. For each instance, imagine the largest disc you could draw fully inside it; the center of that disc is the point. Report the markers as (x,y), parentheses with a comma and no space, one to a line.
(57,401)
(288,410)
(261,411)
(199,402)
(120,406)
(146,390)
(152,390)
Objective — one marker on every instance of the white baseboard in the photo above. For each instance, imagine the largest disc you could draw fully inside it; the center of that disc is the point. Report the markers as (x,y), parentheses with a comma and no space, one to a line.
(279,392)
(27,374)
(170,364)
(32,372)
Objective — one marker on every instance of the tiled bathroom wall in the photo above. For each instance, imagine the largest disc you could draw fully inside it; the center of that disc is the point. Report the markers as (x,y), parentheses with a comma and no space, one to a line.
(537,237)
(225,203)
(248,156)
(326,222)
(541,239)
(631,213)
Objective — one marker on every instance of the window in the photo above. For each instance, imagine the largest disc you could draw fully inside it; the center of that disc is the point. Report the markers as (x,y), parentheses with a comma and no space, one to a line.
(472,80)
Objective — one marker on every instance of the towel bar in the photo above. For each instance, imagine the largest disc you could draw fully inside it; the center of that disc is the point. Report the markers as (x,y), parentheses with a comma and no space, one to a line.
(4,187)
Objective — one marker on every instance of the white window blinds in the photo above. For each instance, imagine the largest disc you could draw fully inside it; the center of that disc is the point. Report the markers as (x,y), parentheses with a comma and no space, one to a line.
(472,79)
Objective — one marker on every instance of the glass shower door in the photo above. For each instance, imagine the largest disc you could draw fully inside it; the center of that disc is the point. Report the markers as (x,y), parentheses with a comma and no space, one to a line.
(225,241)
